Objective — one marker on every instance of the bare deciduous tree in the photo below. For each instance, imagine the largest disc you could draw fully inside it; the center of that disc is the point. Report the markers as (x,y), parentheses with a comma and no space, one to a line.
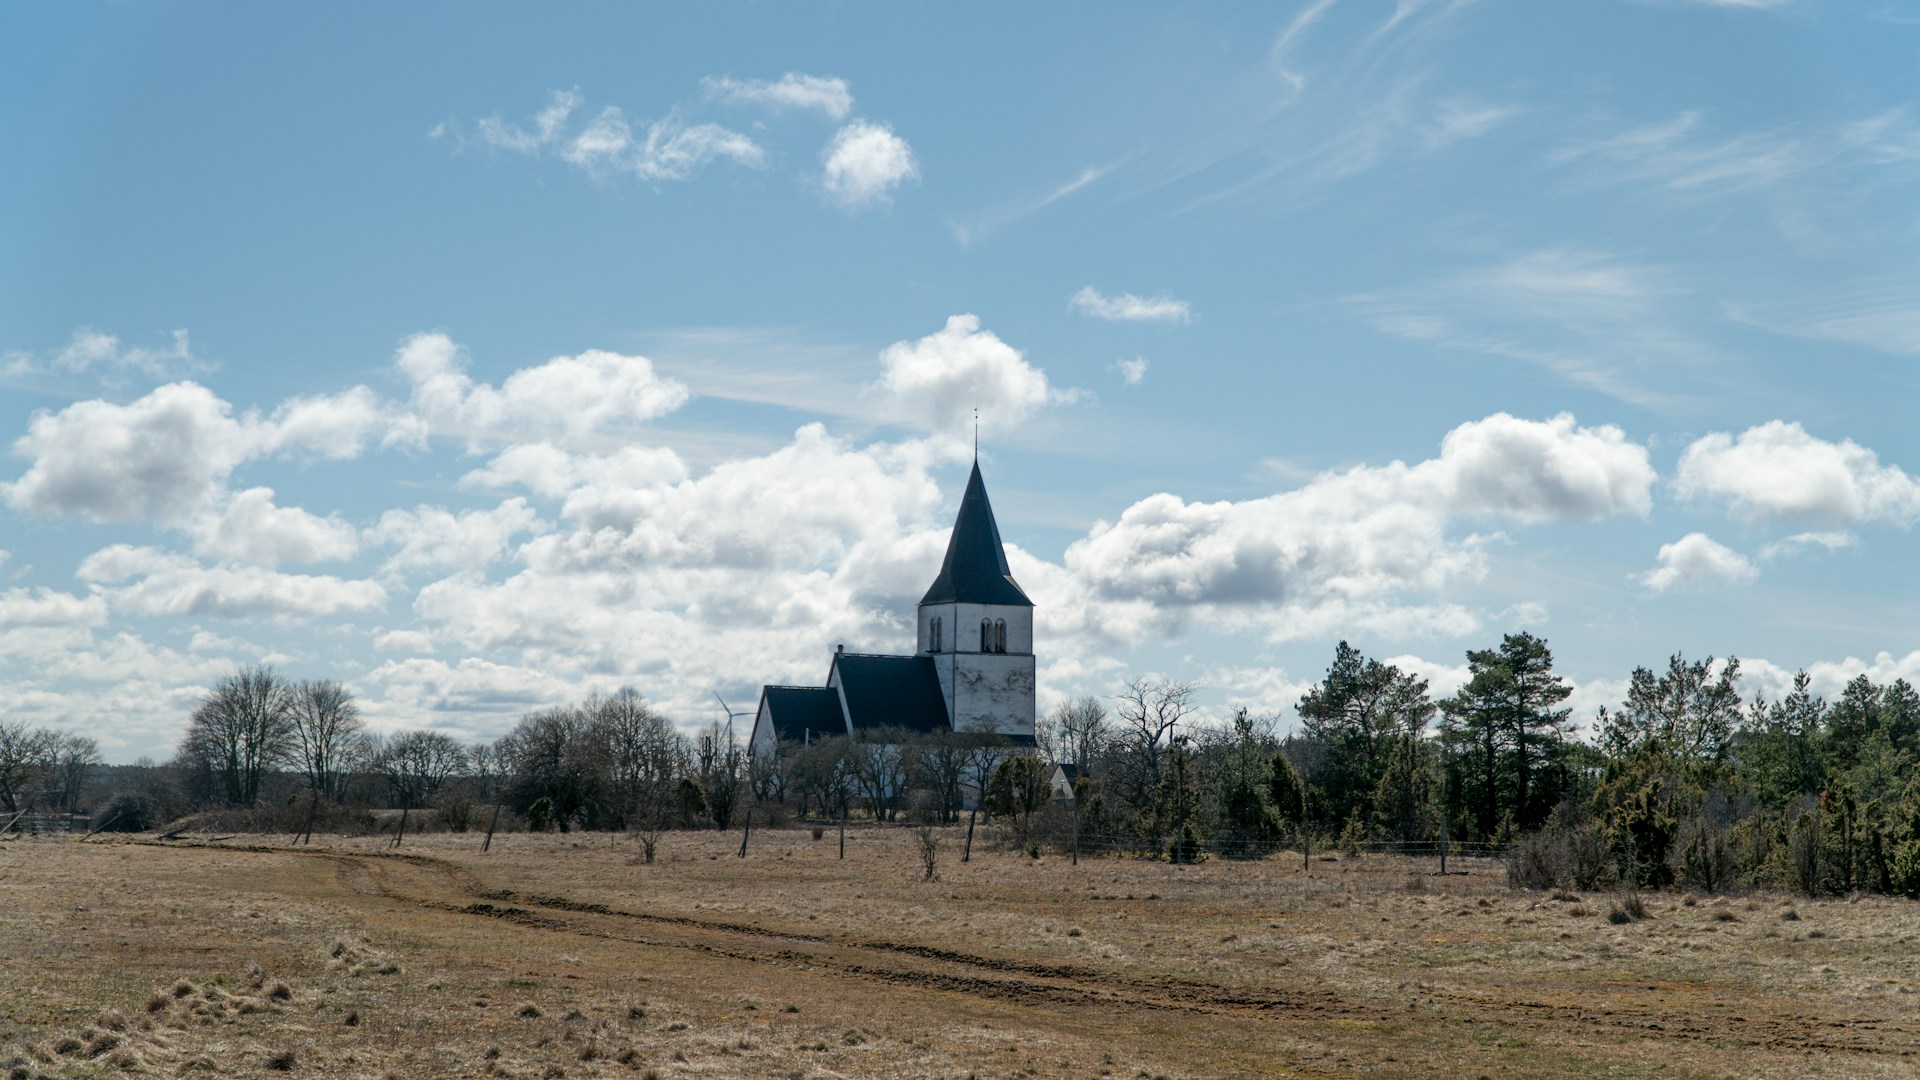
(1148,709)
(552,755)
(880,766)
(241,729)
(418,763)
(1076,731)
(723,766)
(645,757)
(25,755)
(71,762)
(329,741)
(940,766)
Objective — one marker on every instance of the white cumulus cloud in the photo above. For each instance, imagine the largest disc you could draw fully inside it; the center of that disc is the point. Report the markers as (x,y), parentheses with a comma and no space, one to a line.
(569,398)
(337,426)
(938,380)
(432,537)
(864,163)
(43,608)
(251,528)
(159,458)
(1357,543)
(1534,470)
(1697,559)
(160,583)
(1777,470)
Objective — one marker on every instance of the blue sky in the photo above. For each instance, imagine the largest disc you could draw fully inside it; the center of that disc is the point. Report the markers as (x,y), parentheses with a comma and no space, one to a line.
(484,357)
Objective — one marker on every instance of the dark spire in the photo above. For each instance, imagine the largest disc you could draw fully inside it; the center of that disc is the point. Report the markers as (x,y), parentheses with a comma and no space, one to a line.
(975,571)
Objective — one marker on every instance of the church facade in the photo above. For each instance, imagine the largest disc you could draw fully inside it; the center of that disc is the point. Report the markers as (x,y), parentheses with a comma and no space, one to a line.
(972,668)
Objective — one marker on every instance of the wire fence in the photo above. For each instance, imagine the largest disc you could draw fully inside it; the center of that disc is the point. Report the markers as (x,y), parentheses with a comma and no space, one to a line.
(1254,848)
(1055,833)
(37,824)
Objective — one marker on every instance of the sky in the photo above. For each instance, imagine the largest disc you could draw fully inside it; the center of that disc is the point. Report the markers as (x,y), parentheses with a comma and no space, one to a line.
(484,357)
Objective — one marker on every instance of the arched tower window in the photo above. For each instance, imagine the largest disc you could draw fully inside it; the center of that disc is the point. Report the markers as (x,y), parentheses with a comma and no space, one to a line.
(933,634)
(999,635)
(986,635)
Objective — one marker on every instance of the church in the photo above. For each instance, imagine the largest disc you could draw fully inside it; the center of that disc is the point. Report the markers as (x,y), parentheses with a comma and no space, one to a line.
(973,668)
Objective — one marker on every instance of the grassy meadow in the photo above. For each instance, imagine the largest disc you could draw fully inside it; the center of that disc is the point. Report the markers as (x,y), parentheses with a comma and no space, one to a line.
(567,955)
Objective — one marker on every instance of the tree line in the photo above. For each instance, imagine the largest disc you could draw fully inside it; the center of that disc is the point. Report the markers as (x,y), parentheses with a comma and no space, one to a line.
(44,767)
(1685,782)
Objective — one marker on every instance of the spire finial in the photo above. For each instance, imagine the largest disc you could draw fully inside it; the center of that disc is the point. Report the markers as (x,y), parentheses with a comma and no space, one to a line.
(976,434)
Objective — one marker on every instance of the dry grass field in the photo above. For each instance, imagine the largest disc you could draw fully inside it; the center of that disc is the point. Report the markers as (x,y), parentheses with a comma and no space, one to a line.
(565,956)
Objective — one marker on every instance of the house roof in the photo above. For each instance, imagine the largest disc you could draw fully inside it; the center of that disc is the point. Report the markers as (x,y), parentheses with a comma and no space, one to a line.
(975,570)
(800,710)
(1068,771)
(892,691)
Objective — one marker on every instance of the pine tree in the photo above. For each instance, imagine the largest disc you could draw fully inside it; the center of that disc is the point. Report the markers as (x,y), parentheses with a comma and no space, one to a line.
(1510,732)
(1357,713)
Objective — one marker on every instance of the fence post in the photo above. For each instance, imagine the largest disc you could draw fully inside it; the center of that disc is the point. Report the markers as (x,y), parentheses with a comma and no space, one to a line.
(967,854)
(1443,845)
(306,830)
(488,842)
(746,832)
(843,829)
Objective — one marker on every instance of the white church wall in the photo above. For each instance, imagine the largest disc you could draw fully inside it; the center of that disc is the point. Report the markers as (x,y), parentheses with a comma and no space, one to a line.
(997,688)
(960,626)
(761,744)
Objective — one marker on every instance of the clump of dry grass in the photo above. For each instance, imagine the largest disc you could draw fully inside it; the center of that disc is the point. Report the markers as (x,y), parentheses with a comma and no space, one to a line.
(1627,908)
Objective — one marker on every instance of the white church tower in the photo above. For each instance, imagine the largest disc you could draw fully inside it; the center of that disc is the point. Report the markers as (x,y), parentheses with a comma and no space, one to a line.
(977,626)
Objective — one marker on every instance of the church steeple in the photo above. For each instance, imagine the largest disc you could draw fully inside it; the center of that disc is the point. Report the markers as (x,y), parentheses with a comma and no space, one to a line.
(975,570)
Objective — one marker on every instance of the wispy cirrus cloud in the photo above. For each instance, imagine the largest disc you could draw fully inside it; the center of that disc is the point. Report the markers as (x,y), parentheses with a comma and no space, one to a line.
(829,96)
(102,357)
(861,166)
(1328,106)
(1738,5)
(1595,319)
(1879,315)
(1127,307)
(1684,156)
(667,149)
(979,226)
(502,134)
(1455,119)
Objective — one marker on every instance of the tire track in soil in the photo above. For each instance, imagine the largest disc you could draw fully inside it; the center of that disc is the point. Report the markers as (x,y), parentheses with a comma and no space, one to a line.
(1067,984)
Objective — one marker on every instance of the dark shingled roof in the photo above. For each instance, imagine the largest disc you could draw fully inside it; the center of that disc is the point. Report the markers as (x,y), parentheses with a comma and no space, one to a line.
(797,710)
(976,570)
(892,691)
